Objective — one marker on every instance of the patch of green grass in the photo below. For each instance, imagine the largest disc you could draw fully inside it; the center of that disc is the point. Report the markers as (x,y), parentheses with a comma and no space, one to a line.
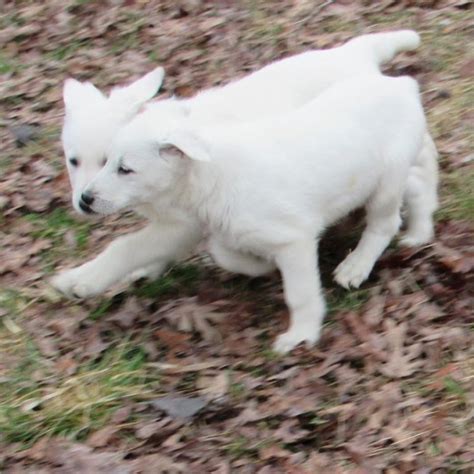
(76,405)
(385,19)
(237,390)
(11,301)
(53,226)
(446,49)
(82,2)
(238,448)
(9,19)
(125,42)
(242,447)
(457,196)
(65,51)
(182,277)
(154,56)
(269,354)
(129,39)
(336,24)
(454,388)
(6,65)
(103,308)
(340,299)
(444,119)
(433,450)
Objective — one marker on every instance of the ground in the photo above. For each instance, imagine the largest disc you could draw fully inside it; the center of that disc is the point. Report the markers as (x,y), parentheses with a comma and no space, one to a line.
(177,375)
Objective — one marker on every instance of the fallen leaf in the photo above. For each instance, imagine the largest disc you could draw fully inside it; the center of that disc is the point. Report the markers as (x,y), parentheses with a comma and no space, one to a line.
(188,315)
(454,260)
(214,388)
(102,437)
(172,339)
(121,415)
(273,452)
(401,360)
(373,310)
(290,432)
(179,369)
(158,464)
(148,430)
(467,69)
(357,452)
(451,444)
(126,315)
(429,311)
(77,458)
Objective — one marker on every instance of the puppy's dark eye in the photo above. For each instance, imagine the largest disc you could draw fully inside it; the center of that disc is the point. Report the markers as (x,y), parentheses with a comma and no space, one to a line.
(74,162)
(124,170)
(103,162)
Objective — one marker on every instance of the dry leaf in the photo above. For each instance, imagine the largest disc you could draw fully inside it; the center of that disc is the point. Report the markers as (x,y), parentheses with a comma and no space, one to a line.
(126,315)
(102,437)
(454,260)
(158,464)
(214,388)
(401,360)
(188,315)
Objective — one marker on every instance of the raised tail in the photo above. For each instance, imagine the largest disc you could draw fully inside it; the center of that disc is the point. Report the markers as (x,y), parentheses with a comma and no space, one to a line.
(384,46)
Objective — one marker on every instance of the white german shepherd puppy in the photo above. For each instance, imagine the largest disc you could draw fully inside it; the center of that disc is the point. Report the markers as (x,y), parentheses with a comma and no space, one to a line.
(264,191)
(92,119)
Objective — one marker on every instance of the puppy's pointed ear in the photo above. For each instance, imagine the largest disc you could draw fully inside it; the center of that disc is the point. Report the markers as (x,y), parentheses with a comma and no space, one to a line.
(137,93)
(76,94)
(183,143)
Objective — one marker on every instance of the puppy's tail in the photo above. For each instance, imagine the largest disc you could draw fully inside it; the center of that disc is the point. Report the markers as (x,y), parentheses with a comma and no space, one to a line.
(384,46)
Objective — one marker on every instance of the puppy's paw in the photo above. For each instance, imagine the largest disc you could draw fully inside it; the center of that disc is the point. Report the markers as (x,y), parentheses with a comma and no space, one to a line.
(416,239)
(290,339)
(75,283)
(352,271)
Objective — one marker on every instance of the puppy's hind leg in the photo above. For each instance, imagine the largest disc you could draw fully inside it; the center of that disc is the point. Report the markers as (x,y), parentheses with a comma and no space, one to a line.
(421,196)
(383,222)
(298,265)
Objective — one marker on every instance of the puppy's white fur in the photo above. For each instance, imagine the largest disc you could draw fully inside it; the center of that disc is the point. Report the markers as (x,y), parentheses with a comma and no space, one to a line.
(265,190)
(92,119)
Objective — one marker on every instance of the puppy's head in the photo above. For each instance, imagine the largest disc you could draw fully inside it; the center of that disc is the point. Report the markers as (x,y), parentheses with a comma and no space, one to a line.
(92,119)
(142,169)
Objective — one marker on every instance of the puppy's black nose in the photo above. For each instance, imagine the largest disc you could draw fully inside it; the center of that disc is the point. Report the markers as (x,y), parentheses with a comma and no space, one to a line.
(85,207)
(87,199)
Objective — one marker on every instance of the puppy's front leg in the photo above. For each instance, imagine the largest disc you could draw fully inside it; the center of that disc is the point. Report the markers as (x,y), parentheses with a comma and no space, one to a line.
(156,245)
(299,268)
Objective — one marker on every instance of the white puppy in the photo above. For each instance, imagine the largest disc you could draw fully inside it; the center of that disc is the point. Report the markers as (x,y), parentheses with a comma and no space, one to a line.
(92,119)
(264,191)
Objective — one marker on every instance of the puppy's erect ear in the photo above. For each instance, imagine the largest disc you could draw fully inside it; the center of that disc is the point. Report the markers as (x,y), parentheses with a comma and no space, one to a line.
(184,143)
(77,93)
(136,94)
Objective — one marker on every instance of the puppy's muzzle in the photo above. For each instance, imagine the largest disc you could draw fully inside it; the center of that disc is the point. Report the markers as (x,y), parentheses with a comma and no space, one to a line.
(86,202)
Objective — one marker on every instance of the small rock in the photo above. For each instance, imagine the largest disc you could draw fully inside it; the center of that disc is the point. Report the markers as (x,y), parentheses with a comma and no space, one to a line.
(180,407)
(443,94)
(24,134)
